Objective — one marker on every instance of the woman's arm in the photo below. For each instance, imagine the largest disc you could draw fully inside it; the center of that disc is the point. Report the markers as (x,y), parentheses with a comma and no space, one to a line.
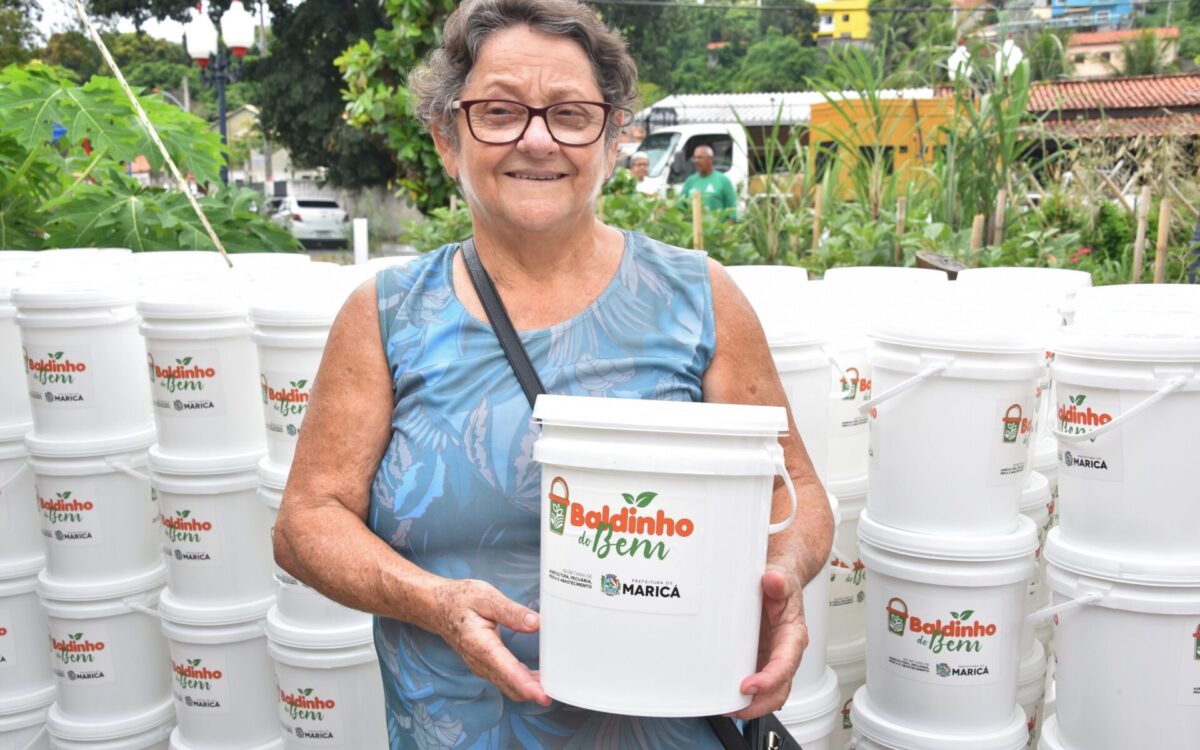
(321,536)
(742,372)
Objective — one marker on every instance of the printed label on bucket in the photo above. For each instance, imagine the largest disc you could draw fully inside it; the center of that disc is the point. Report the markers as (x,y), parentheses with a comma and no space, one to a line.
(1078,412)
(629,547)
(850,390)
(200,684)
(189,538)
(81,654)
(846,585)
(1189,673)
(186,382)
(8,647)
(311,714)
(60,377)
(71,515)
(285,401)
(926,641)
(1013,425)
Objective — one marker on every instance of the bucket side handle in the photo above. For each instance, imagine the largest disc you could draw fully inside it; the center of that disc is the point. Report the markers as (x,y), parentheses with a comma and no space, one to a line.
(127,469)
(781,471)
(1033,619)
(935,369)
(841,372)
(143,604)
(25,468)
(1174,385)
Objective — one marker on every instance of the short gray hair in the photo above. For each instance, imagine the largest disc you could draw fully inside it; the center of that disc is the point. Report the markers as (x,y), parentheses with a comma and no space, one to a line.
(437,82)
(640,156)
(704,149)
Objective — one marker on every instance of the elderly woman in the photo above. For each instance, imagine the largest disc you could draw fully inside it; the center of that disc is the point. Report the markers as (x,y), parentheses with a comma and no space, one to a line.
(413,494)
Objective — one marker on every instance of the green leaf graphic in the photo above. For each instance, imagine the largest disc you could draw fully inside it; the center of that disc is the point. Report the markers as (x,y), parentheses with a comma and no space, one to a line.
(645,499)
(306,691)
(194,662)
(187,360)
(955,615)
(76,636)
(628,498)
(966,614)
(183,513)
(58,355)
(1079,399)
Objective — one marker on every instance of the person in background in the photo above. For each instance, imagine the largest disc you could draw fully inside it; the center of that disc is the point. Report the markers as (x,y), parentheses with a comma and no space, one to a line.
(639,164)
(714,187)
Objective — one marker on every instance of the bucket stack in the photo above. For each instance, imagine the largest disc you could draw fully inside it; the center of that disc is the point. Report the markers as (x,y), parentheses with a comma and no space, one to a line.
(91,428)
(948,555)
(328,686)
(1123,565)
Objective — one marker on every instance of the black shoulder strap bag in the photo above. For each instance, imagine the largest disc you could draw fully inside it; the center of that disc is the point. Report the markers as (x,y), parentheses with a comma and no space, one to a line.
(766,733)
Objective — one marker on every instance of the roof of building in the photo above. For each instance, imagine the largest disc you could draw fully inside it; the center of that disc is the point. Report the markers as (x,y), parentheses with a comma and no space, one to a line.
(756,108)
(1138,92)
(1183,125)
(1093,38)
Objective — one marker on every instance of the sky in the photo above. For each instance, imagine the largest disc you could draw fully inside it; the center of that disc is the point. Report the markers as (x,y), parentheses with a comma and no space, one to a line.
(60,15)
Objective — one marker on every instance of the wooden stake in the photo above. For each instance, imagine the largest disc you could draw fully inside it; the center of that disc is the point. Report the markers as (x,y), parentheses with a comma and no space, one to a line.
(998,219)
(1139,244)
(1164,235)
(697,221)
(901,211)
(1191,208)
(977,237)
(818,204)
(1116,191)
(453,202)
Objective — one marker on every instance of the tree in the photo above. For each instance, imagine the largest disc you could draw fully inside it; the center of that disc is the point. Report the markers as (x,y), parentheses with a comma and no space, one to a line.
(17,30)
(1047,56)
(75,52)
(914,40)
(776,63)
(299,89)
(1142,56)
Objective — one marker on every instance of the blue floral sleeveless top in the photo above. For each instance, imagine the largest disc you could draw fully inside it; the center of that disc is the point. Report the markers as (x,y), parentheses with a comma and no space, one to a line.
(457,490)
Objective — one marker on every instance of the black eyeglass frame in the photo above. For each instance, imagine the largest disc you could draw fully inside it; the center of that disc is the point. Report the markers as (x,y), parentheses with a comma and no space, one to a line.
(464,106)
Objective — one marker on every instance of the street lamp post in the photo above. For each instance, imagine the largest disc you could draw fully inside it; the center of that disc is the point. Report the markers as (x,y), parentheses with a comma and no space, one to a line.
(203,46)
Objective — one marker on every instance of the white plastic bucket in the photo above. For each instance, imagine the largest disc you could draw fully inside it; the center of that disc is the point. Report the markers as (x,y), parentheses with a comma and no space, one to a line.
(849,664)
(25,729)
(1031,688)
(851,386)
(174,267)
(109,658)
(290,332)
(1053,288)
(329,691)
(1127,650)
(99,519)
(951,419)
(298,606)
(203,372)
(1127,409)
(215,534)
(812,718)
(84,360)
(1037,506)
(1135,308)
(708,470)
(14,404)
(20,527)
(847,588)
(875,731)
(811,671)
(945,616)
(147,731)
(178,743)
(25,678)
(803,367)
(222,680)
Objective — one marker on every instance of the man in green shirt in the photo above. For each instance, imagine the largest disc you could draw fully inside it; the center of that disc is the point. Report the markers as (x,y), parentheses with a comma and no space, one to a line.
(715,188)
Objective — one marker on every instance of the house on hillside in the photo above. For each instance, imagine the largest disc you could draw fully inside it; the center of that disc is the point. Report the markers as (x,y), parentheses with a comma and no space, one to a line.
(1091,14)
(842,21)
(1096,54)
(1156,106)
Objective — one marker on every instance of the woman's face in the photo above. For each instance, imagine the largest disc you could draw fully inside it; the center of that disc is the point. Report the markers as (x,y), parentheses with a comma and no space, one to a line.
(535,184)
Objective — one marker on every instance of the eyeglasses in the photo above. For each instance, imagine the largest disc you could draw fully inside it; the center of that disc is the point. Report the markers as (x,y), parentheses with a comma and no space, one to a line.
(498,122)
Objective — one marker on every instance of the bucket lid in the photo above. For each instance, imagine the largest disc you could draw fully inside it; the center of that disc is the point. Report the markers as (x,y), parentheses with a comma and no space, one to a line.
(167,463)
(846,653)
(42,447)
(874,727)
(816,702)
(74,290)
(1049,739)
(284,634)
(956,318)
(1103,564)
(638,415)
(848,490)
(271,474)
(1036,492)
(1019,542)
(13,569)
(64,727)
(25,710)
(205,299)
(1144,346)
(93,591)
(15,433)
(180,611)
(178,743)
(1033,666)
(883,276)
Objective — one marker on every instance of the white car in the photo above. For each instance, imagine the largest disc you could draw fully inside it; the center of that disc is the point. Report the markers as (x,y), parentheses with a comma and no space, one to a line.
(319,223)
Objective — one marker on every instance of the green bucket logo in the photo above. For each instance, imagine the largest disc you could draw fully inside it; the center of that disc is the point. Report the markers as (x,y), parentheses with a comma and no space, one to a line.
(1196,635)
(559,502)
(1012,423)
(897,615)
(846,723)
(850,384)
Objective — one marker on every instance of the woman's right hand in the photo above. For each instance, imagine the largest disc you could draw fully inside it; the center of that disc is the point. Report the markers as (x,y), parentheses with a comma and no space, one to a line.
(469,615)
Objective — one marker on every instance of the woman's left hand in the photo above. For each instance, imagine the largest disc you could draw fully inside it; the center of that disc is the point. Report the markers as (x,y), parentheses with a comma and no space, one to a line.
(783,637)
